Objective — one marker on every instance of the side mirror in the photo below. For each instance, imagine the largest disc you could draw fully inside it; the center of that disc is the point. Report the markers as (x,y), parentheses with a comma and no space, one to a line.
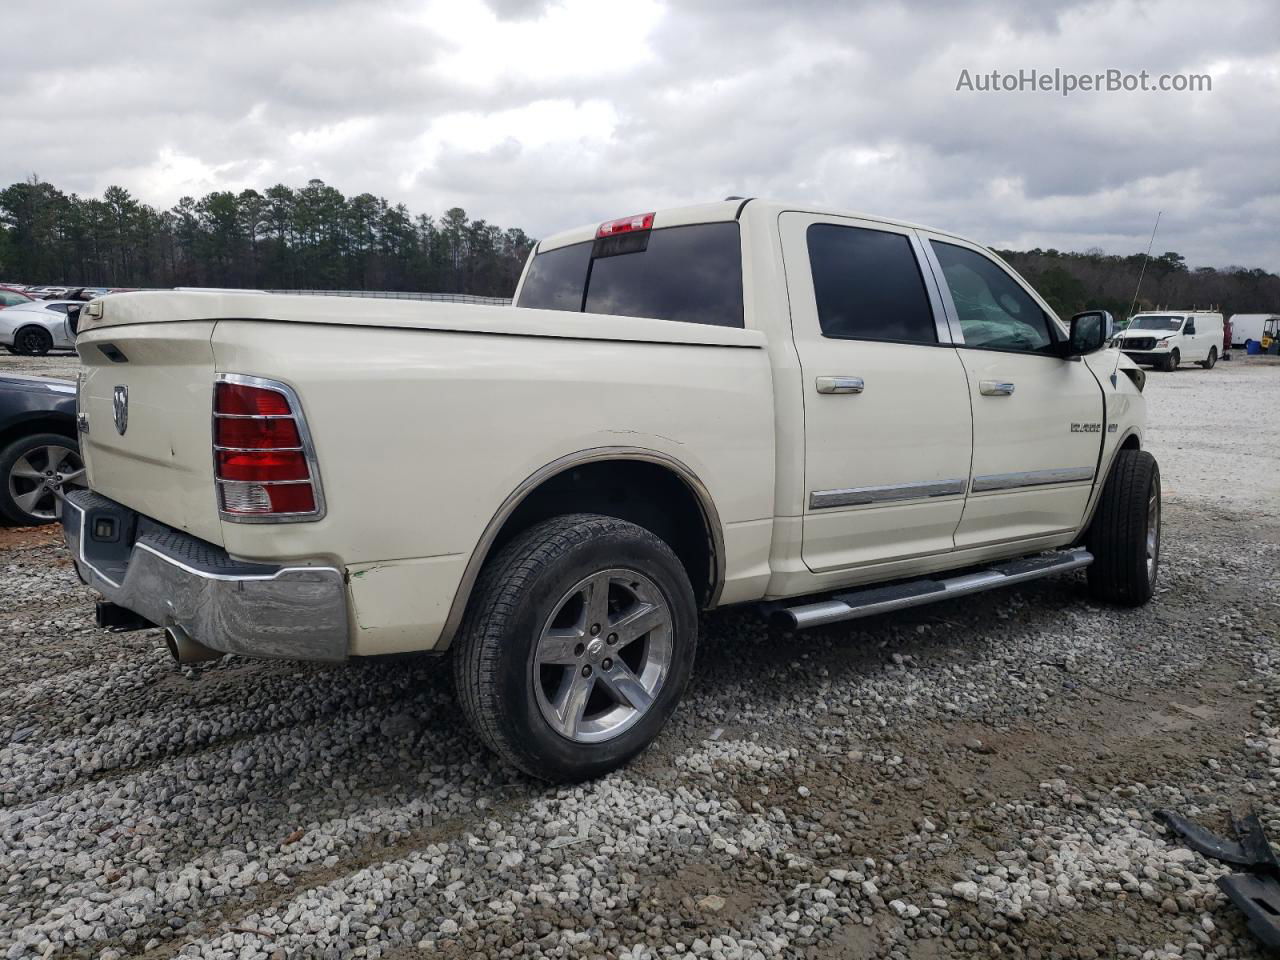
(1089,333)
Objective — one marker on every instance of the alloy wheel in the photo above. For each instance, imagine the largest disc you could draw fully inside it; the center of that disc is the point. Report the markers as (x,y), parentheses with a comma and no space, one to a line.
(38,476)
(603,655)
(1153,533)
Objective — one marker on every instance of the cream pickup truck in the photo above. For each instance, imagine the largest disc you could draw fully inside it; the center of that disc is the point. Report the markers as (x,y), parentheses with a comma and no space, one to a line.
(827,415)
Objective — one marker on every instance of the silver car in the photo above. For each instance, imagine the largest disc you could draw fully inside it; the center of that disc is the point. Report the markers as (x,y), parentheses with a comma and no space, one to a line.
(37,327)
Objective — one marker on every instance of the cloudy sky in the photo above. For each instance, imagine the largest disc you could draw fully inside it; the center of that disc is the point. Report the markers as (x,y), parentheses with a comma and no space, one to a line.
(549,113)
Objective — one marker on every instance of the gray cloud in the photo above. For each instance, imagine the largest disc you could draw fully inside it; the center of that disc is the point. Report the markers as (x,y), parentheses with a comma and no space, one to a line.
(530,114)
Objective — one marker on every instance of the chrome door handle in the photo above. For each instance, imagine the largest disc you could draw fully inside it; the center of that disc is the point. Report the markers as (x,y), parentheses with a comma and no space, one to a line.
(840,385)
(996,388)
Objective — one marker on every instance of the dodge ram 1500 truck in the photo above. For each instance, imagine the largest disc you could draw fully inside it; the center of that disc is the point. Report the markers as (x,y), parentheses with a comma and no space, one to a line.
(828,415)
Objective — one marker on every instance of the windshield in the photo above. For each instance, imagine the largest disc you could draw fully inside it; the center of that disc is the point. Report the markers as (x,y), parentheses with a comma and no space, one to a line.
(1155,323)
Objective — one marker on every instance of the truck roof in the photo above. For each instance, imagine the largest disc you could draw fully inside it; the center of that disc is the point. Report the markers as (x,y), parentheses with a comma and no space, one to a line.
(722,210)
(1180,311)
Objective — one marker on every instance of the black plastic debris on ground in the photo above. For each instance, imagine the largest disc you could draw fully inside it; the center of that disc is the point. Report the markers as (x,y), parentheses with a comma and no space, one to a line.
(1255,889)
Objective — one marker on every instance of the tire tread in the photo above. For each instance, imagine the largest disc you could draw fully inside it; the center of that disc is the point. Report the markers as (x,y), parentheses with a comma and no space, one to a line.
(478,646)
(1117,536)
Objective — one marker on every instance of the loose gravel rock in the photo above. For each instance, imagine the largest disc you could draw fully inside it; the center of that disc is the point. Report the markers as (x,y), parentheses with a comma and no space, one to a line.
(976,779)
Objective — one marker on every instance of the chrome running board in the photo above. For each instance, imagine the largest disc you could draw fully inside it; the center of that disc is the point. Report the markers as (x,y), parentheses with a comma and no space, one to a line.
(916,593)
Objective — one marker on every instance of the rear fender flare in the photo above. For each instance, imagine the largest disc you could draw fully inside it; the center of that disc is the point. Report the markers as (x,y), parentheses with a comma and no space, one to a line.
(480,554)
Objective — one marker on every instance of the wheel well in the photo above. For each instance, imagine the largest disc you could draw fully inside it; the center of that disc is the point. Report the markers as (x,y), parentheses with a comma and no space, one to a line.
(647,494)
(44,424)
(1131,442)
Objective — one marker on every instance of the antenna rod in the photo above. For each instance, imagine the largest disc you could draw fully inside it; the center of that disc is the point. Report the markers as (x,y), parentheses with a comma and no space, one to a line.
(1141,274)
(1143,271)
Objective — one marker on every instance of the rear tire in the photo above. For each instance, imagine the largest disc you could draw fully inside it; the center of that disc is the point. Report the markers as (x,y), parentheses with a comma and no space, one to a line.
(33,341)
(1124,537)
(533,644)
(1210,360)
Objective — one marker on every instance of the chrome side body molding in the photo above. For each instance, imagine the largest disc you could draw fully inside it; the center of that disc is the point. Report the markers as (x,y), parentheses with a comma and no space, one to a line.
(1031,478)
(857,496)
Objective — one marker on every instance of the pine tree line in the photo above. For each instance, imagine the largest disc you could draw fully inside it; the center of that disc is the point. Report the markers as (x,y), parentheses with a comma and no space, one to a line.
(281,238)
(1093,280)
(313,237)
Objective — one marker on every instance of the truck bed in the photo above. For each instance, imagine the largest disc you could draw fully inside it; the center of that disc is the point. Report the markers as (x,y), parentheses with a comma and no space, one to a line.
(425,418)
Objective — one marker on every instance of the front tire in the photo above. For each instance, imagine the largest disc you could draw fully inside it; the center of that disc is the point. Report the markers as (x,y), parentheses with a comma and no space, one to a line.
(1124,537)
(1171,361)
(577,644)
(1209,361)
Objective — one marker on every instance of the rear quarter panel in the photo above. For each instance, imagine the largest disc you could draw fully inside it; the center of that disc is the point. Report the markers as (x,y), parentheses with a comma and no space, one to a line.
(421,435)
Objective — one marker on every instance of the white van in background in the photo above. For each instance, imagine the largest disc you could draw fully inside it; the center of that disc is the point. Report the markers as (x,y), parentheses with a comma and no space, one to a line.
(1248,326)
(1166,338)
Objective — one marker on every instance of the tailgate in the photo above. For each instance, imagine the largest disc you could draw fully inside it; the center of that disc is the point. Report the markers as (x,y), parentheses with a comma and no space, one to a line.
(147,393)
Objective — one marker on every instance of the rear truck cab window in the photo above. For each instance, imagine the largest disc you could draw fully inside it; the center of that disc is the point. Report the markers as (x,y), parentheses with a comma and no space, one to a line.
(868,285)
(691,274)
(904,420)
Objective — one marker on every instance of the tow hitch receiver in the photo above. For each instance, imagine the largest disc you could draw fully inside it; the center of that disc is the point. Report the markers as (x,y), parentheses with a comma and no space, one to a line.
(1255,890)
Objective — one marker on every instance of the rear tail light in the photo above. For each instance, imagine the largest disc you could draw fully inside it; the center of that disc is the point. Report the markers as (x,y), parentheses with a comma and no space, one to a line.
(264,461)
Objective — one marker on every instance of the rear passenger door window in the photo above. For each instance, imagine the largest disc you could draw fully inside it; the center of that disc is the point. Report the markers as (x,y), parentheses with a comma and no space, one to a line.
(867,285)
(994,311)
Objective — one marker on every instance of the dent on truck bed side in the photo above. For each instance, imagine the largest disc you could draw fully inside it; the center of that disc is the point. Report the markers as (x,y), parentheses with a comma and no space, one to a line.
(398,606)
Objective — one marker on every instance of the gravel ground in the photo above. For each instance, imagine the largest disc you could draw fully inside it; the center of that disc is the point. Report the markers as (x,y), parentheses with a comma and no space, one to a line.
(53,365)
(976,779)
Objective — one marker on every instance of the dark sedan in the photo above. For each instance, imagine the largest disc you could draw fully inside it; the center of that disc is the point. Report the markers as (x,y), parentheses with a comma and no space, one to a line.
(39,455)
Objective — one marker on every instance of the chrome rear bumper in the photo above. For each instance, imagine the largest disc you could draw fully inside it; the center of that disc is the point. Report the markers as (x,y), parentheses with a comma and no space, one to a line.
(175,580)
